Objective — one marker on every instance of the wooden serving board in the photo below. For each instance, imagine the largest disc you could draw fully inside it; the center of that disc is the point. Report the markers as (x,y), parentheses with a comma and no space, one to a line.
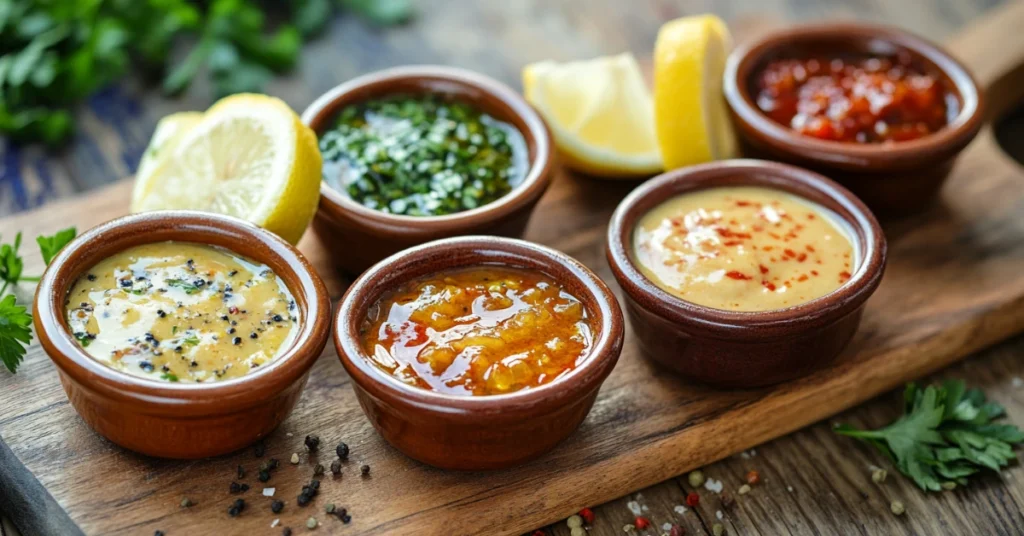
(955,284)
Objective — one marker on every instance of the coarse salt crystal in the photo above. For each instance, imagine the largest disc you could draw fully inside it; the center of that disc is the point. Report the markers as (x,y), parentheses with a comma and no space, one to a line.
(719,515)
(789,489)
(680,509)
(713,485)
(635,508)
(269,492)
(666,527)
(275,523)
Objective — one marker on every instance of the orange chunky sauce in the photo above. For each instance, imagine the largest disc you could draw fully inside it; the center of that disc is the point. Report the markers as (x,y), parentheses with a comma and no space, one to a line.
(744,248)
(478,331)
(859,99)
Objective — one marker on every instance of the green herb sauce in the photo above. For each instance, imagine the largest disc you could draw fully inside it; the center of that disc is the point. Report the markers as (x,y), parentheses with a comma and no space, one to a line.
(422,156)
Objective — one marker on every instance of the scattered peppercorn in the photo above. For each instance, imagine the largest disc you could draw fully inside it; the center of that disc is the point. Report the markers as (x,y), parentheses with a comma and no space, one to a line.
(241,472)
(878,475)
(264,476)
(277,506)
(641,522)
(259,449)
(187,503)
(588,515)
(574,521)
(286,532)
(718,529)
(577,531)
(236,507)
(311,523)
(897,508)
(295,458)
(239,488)
(364,470)
(309,492)
(696,478)
(329,508)
(336,467)
(342,450)
(158,533)
(753,478)
(318,469)
(744,489)
(345,518)
(692,499)
(727,499)
(627,528)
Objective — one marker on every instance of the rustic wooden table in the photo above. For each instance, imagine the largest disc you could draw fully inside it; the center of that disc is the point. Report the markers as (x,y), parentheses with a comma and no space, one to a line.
(813,482)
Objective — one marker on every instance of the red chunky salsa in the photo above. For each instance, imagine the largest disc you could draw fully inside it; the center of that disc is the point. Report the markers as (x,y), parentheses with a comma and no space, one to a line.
(861,99)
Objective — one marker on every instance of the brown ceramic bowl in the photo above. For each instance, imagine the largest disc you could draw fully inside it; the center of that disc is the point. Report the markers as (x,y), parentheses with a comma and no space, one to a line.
(477,432)
(893,178)
(179,420)
(744,349)
(359,236)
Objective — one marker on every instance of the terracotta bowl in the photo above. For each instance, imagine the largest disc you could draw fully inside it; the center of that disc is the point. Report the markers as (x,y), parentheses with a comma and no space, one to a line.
(893,179)
(744,349)
(180,420)
(477,432)
(358,236)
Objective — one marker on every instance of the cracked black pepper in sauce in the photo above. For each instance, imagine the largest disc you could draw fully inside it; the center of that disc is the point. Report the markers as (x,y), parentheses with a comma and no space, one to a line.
(164,311)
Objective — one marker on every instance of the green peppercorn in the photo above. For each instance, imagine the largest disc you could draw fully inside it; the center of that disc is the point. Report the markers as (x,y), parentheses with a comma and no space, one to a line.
(696,478)
(897,508)
(311,523)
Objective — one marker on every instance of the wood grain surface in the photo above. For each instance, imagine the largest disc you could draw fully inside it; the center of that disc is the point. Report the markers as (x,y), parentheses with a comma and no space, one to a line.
(953,286)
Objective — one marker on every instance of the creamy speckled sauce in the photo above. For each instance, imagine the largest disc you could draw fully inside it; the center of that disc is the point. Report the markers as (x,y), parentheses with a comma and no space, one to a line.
(177,311)
(744,248)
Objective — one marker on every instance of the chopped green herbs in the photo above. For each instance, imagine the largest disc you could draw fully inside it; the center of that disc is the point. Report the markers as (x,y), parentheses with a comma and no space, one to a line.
(189,288)
(84,338)
(945,435)
(14,332)
(191,340)
(169,376)
(422,156)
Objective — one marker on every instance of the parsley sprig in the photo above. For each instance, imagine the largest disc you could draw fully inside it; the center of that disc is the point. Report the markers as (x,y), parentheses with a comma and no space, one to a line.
(15,333)
(945,435)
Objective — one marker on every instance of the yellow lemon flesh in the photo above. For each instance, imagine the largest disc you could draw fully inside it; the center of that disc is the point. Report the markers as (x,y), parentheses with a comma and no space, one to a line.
(600,113)
(690,112)
(249,156)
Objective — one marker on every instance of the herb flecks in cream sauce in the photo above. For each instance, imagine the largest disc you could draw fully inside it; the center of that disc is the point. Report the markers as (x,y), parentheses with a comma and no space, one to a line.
(744,248)
(176,311)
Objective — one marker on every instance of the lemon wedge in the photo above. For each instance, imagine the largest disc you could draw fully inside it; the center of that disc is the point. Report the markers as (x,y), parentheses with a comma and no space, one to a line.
(168,132)
(249,156)
(690,112)
(600,113)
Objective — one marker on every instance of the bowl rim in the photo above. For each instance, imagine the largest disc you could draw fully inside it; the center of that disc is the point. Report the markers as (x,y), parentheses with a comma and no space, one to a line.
(745,59)
(746,325)
(170,398)
(441,77)
(584,378)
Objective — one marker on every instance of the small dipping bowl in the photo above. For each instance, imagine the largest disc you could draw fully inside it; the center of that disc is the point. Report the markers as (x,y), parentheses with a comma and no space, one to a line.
(893,179)
(359,236)
(740,348)
(182,420)
(478,432)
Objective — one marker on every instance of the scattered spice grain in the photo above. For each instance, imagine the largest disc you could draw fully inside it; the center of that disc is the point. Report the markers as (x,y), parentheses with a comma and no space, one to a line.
(696,478)
(318,469)
(311,523)
(187,503)
(588,515)
(897,508)
(286,532)
(753,477)
(364,470)
(336,467)
(277,506)
(948,486)
(263,476)
(577,531)
(295,458)
(627,528)
(236,507)
(641,522)
(744,489)
(718,529)
(727,499)
(342,450)
(692,499)
(241,472)
(158,533)
(676,530)
(574,521)
(259,449)
(312,442)
(878,475)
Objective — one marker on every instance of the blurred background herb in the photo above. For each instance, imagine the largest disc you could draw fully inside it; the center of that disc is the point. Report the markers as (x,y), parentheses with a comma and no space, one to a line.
(55,53)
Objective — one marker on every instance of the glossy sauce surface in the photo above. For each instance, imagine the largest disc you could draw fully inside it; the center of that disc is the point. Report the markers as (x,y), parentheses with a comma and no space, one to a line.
(744,248)
(857,99)
(175,311)
(478,331)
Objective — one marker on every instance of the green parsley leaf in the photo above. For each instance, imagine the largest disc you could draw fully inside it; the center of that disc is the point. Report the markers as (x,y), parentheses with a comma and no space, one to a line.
(49,246)
(192,340)
(15,334)
(11,263)
(945,435)
(189,288)
(84,338)
(169,376)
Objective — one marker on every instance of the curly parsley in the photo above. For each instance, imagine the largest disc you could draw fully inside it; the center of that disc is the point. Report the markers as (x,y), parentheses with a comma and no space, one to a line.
(945,435)
(15,333)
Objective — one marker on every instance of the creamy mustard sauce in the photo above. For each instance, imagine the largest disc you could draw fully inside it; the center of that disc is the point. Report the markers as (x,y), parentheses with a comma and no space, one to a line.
(176,311)
(744,248)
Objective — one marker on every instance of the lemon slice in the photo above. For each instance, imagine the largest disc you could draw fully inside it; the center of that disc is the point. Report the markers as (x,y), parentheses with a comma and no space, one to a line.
(249,156)
(168,132)
(690,112)
(600,113)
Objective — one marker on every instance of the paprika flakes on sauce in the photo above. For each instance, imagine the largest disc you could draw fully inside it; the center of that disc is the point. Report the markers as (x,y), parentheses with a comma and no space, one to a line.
(744,248)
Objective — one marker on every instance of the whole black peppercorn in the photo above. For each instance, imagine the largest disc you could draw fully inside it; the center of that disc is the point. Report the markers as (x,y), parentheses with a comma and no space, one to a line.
(277,506)
(236,508)
(260,449)
(336,467)
(158,533)
(264,476)
(239,488)
(364,470)
(304,499)
(345,518)
(315,484)
(273,463)
(342,450)
(312,442)
(286,532)
(318,470)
